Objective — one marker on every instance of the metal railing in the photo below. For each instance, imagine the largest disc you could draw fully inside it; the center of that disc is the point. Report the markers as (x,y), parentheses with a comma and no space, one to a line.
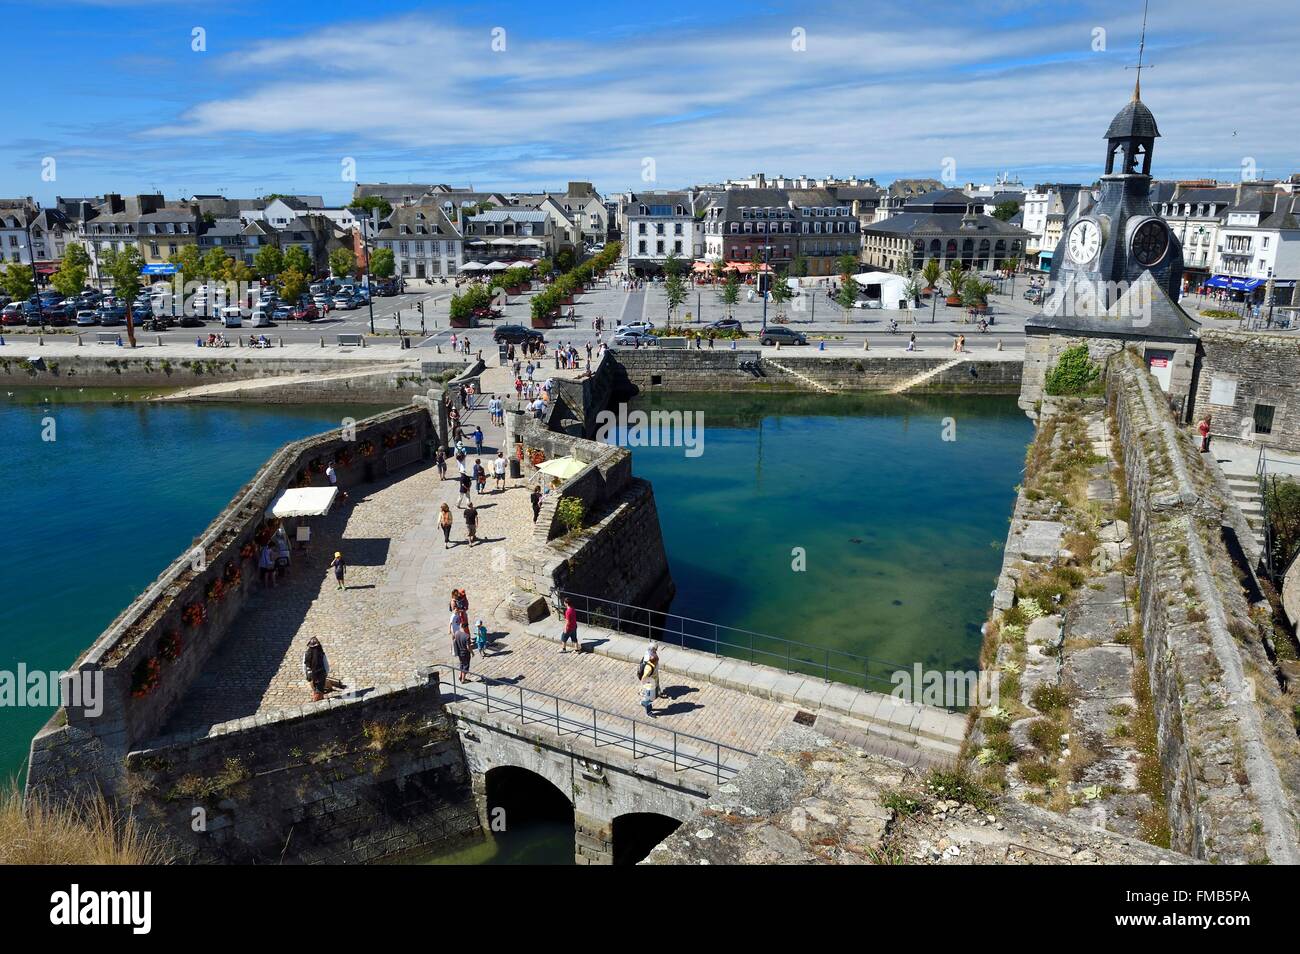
(832,665)
(684,752)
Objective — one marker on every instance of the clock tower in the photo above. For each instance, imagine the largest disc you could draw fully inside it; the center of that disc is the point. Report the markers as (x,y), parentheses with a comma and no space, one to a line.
(1113,236)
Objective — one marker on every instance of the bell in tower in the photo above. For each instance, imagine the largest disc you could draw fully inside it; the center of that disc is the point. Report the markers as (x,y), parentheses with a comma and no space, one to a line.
(1130,139)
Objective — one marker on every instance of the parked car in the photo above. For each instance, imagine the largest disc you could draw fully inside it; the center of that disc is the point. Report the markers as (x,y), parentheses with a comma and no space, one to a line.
(516,334)
(282,313)
(723,324)
(869,303)
(86,318)
(627,336)
(12,314)
(112,315)
(779,334)
(232,317)
(343,302)
(644,327)
(322,303)
(190,321)
(260,318)
(304,312)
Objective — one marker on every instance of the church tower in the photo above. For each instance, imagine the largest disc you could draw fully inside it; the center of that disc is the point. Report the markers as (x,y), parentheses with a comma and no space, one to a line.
(1113,236)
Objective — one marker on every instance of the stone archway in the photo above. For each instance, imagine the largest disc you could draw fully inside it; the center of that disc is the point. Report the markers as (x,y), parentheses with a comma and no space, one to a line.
(636,833)
(529,815)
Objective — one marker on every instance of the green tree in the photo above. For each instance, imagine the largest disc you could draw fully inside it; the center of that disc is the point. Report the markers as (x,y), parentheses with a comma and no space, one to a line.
(781,292)
(675,291)
(216,263)
(342,263)
(731,292)
(293,284)
(1005,210)
(913,291)
(296,257)
(719,268)
(70,279)
(931,272)
(268,262)
(564,259)
(189,262)
(846,265)
(17,281)
(799,267)
(848,294)
(956,276)
(382,263)
(123,268)
(372,203)
(672,264)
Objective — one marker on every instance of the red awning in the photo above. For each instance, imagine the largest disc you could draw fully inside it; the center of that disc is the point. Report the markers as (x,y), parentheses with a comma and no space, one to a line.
(46,268)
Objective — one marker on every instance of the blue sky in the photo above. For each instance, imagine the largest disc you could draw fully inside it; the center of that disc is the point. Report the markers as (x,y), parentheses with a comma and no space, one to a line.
(294,96)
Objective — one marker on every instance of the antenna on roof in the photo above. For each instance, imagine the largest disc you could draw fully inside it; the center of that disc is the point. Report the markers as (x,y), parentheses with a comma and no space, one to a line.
(1142,43)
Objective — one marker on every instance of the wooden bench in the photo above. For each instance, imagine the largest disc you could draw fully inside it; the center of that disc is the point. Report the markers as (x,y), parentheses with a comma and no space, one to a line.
(351,340)
(107,337)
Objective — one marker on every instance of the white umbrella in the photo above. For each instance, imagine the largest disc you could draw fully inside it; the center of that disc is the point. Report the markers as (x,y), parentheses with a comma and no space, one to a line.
(495,267)
(472,267)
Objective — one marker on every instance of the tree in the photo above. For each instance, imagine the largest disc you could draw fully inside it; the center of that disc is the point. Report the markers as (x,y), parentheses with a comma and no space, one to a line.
(799,267)
(382,263)
(372,203)
(17,281)
(215,264)
(342,263)
(781,292)
(296,257)
(123,269)
(731,292)
(846,265)
(1005,210)
(719,269)
(675,291)
(672,264)
(70,279)
(848,294)
(931,272)
(189,262)
(268,262)
(564,259)
(956,276)
(293,284)
(913,291)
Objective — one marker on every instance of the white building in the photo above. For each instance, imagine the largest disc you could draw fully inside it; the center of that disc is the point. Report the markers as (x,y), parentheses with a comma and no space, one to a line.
(423,241)
(658,225)
(1259,240)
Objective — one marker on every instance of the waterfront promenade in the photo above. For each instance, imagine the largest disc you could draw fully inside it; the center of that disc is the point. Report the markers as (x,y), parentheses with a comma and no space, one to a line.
(392,619)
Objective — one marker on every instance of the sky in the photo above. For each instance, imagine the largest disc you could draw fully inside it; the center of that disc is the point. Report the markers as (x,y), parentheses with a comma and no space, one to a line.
(244,98)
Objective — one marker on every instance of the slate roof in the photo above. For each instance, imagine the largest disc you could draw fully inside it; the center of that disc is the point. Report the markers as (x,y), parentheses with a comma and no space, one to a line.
(943,223)
(1134,120)
(1144,311)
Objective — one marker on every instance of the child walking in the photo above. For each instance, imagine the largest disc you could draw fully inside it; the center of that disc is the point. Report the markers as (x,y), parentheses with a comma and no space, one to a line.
(339,569)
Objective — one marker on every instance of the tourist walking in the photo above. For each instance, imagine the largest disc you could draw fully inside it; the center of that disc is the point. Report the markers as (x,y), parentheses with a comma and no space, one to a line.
(471,522)
(1204,428)
(536,498)
(444,521)
(332,476)
(480,638)
(316,667)
(649,667)
(649,690)
(460,646)
(499,471)
(480,475)
(266,565)
(440,461)
(463,499)
(478,439)
(570,628)
(911,342)
(340,568)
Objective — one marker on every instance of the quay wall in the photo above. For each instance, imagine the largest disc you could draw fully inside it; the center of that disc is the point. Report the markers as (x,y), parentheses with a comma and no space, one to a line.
(177,623)
(644,370)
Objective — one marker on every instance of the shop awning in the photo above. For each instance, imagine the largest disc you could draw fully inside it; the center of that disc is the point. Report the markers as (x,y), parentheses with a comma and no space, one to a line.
(303,502)
(1235,284)
(159,268)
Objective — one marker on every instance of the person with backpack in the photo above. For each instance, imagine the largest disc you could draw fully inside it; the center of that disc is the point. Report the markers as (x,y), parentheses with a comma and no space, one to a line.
(649,666)
(480,475)
(649,687)
(316,667)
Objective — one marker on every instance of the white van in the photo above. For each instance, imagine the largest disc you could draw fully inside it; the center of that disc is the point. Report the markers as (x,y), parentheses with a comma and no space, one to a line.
(261,318)
(231,317)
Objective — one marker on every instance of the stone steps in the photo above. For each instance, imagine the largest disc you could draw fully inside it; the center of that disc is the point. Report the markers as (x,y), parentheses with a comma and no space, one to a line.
(802,377)
(925,376)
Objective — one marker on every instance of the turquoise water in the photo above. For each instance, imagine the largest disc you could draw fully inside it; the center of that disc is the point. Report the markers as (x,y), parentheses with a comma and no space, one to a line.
(93,516)
(901,531)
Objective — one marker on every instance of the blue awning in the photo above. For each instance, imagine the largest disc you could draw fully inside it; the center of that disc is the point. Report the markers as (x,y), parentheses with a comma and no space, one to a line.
(1235,284)
(1045,253)
(1218,281)
(161,268)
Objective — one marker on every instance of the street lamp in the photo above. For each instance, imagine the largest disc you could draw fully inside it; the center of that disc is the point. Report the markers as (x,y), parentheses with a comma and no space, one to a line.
(767,249)
(370,292)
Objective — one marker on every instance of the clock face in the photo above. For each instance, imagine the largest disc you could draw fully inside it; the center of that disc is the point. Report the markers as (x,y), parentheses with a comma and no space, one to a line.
(1150,242)
(1084,241)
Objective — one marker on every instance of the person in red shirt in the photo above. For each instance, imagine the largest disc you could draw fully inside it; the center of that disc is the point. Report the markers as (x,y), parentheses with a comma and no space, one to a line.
(570,629)
(1204,428)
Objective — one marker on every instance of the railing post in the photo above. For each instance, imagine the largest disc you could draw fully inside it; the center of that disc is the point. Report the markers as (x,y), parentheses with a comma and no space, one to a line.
(595,739)
(634,740)
(828,665)
(717,755)
(557,716)
(487,692)
(674,751)
(521,704)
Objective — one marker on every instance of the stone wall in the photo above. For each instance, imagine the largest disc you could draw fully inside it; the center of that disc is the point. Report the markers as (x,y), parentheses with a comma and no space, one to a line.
(650,369)
(1227,746)
(1042,351)
(221,553)
(1259,369)
(618,554)
(338,781)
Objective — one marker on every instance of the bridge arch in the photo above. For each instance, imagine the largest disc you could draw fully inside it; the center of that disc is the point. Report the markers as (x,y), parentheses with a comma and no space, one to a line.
(526,810)
(634,835)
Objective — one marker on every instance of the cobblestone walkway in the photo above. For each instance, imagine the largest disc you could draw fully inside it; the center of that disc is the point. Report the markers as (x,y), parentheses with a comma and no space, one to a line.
(392,619)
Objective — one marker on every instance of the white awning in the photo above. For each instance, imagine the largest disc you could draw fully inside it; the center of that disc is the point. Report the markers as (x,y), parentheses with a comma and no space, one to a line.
(495,267)
(303,502)
(471,267)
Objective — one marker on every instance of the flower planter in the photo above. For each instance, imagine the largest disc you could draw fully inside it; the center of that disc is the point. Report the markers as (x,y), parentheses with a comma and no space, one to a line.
(466,322)
(547,321)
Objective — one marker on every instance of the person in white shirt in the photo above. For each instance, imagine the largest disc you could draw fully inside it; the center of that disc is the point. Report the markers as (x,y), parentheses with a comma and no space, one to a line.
(499,471)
